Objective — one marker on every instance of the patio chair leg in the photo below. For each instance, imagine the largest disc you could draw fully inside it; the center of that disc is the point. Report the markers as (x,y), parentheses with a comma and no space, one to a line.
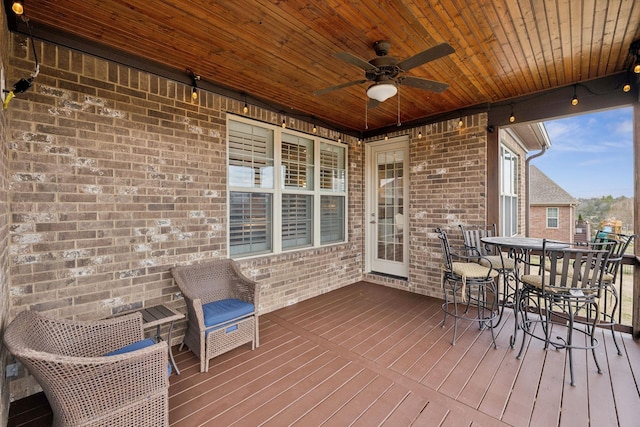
(615,340)
(569,345)
(614,295)
(455,318)
(520,305)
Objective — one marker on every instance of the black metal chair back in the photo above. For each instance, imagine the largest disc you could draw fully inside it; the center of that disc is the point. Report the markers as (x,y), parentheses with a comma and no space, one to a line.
(578,267)
(473,234)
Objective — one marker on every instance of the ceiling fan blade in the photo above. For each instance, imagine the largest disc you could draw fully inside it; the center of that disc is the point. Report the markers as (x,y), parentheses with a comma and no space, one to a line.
(438,51)
(426,84)
(336,87)
(354,60)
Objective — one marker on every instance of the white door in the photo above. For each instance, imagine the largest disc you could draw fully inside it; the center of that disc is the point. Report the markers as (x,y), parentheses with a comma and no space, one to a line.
(386,213)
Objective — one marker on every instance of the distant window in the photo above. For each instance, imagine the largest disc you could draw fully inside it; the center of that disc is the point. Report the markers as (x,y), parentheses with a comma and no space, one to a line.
(287,190)
(552,217)
(508,192)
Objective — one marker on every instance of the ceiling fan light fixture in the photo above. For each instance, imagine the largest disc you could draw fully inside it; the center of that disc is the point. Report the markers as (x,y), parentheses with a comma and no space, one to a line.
(382,91)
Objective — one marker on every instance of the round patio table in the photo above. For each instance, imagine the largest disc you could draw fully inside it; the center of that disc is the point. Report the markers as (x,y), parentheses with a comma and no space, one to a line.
(519,247)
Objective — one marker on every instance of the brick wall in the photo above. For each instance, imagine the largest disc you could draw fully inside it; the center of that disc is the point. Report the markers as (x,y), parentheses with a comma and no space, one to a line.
(116,176)
(4,221)
(448,188)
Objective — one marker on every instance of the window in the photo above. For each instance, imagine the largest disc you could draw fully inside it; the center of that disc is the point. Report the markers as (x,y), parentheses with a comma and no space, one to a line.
(552,217)
(287,190)
(508,192)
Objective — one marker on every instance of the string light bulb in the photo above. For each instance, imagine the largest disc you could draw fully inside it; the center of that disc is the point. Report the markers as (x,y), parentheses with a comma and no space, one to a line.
(460,122)
(245,109)
(420,134)
(194,84)
(17,7)
(626,87)
(315,129)
(574,100)
(636,68)
(284,124)
(512,118)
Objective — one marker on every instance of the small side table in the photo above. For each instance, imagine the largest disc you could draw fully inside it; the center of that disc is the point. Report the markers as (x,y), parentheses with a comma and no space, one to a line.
(157,316)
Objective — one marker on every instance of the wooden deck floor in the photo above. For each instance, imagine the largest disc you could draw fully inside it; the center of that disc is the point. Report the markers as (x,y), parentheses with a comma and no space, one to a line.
(370,355)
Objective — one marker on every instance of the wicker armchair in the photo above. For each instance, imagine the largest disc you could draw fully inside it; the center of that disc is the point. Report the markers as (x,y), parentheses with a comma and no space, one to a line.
(221,305)
(85,387)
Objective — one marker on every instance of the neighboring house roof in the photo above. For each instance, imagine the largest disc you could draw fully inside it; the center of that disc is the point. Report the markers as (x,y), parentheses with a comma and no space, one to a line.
(543,191)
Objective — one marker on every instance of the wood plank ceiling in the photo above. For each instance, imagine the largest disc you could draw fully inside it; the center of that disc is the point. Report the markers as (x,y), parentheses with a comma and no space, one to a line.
(283,50)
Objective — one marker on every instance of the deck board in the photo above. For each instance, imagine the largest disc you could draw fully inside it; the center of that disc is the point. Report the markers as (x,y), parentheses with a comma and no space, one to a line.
(368,355)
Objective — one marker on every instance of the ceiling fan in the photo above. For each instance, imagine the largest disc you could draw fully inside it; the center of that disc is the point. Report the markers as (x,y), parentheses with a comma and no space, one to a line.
(386,72)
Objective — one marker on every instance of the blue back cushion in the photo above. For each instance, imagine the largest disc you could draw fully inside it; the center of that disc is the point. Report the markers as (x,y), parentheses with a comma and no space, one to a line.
(222,311)
(148,342)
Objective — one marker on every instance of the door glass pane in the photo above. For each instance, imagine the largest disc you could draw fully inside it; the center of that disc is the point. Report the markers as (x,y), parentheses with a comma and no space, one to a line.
(390,175)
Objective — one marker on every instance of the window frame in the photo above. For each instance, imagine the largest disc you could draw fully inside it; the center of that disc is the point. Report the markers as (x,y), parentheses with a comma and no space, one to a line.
(513,212)
(315,190)
(556,218)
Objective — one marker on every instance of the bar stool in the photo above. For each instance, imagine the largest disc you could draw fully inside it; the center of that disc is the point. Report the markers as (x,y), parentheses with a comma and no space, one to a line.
(474,283)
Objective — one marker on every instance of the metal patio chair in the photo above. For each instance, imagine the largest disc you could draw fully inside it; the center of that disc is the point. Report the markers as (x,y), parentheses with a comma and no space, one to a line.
(469,288)
(564,292)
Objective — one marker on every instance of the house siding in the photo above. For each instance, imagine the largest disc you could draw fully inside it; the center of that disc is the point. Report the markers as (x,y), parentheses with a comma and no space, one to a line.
(116,176)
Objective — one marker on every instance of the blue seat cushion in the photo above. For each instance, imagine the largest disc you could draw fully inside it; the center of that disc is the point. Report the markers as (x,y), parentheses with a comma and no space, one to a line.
(222,311)
(148,342)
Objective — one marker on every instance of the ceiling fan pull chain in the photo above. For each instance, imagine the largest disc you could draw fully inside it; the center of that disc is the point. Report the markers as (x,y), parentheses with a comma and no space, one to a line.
(399,124)
(366,115)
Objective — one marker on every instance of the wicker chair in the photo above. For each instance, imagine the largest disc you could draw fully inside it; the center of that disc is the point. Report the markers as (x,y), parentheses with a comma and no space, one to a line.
(221,305)
(83,385)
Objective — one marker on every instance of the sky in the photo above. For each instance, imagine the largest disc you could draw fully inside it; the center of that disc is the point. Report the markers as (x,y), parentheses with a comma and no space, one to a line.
(591,155)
